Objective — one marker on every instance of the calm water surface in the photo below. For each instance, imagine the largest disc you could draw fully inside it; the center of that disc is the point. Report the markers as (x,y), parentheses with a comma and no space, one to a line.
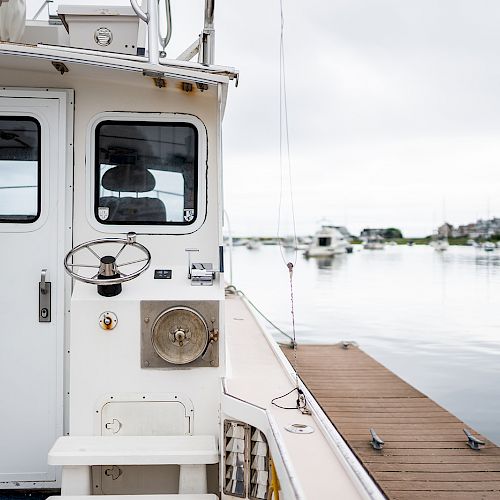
(433,318)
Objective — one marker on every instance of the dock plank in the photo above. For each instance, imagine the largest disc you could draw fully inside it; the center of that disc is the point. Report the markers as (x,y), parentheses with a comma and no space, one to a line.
(425,454)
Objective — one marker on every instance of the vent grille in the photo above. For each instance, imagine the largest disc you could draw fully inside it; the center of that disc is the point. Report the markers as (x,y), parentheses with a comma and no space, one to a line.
(259,465)
(246,461)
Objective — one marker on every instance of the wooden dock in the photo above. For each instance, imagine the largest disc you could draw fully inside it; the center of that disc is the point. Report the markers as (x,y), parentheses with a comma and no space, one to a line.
(425,455)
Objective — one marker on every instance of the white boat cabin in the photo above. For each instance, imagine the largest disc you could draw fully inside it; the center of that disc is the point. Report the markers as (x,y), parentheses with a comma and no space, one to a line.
(124,369)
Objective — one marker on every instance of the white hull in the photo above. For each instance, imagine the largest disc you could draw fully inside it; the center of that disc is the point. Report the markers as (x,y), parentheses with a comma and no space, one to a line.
(327,242)
(253,245)
(324,251)
(440,245)
(373,246)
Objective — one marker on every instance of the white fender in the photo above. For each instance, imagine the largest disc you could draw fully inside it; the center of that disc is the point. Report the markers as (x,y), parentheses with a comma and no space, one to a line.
(12,20)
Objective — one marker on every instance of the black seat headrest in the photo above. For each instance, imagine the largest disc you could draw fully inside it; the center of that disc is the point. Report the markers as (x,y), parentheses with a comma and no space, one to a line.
(128,179)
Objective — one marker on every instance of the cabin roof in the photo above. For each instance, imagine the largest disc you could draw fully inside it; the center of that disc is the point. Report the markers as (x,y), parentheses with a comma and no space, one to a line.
(180,70)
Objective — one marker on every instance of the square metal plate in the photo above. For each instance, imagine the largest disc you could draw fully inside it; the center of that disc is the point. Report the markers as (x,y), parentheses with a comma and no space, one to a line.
(151,309)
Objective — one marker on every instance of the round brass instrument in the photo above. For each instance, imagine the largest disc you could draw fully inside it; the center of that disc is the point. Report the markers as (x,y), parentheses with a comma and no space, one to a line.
(179,335)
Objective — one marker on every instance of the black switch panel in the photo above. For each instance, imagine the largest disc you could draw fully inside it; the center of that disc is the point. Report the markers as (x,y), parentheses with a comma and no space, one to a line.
(163,274)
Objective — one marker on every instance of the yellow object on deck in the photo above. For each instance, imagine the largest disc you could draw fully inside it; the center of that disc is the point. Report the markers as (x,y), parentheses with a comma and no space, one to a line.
(274,487)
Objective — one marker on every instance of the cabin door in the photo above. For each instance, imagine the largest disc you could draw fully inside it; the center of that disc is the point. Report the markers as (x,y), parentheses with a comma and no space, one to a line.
(35,232)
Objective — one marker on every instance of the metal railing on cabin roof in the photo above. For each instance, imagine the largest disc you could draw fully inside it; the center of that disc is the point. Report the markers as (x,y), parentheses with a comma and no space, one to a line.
(204,46)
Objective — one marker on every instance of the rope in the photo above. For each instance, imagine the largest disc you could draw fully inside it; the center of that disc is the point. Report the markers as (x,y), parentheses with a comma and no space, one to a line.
(295,359)
(301,403)
(285,144)
(231,289)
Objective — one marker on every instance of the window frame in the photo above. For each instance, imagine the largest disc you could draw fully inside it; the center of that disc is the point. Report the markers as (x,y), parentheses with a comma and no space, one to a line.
(175,228)
(38,125)
(97,172)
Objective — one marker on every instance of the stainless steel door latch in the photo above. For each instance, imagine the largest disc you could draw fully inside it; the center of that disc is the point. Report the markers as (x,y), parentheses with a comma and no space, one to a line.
(44,298)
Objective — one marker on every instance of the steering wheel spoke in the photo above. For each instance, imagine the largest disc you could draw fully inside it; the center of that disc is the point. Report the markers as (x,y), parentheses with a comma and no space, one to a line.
(84,265)
(92,251)
(121,250)
(131,262)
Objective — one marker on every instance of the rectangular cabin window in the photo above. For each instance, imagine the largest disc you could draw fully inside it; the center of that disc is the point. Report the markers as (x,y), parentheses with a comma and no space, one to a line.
(146,173)
(324,242)
(20,169)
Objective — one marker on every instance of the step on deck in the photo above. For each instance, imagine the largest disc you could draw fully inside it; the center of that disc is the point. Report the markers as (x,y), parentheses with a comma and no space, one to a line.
(134,450)
(425,453)
(77,454)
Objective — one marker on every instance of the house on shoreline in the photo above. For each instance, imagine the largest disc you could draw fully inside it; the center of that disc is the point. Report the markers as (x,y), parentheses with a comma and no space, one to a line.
(480,229)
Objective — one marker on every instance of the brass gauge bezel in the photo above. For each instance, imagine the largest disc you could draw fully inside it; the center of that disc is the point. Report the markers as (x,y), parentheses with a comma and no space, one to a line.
(163,353)
(153,310)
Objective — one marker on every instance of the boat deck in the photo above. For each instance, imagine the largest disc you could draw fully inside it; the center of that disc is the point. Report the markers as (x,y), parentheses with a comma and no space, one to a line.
(425,453)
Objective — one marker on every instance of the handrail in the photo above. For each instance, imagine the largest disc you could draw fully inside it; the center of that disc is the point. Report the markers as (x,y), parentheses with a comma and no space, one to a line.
(209,13)
(140,13)
(151,19)
(40,10)
(207,38)
(164,40)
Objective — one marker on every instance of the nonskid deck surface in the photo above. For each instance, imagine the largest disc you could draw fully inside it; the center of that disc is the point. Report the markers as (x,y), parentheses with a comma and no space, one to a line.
(425,453)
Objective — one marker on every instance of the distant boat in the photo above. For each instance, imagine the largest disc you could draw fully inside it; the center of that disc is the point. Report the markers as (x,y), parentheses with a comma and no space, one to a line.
(374,243)
(488,246)
(289,242)
(253,244)
(303,243)
(239,242)
(327,242)
(439,243)
(270,241)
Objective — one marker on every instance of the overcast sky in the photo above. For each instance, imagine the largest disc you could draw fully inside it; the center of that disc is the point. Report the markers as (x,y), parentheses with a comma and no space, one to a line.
(394,109)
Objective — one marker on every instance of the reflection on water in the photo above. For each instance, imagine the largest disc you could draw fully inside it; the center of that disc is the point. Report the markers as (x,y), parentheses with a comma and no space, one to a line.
(431,317)
(325,262)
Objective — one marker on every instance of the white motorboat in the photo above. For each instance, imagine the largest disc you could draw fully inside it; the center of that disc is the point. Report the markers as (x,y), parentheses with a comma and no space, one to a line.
(253,244)
(327,242)
(488,246)
(374,243)
(127,367)
(440,243)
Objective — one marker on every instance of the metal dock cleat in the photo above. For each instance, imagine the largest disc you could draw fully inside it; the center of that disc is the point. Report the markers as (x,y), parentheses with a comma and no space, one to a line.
(473,441)
(376,442)
(348,343)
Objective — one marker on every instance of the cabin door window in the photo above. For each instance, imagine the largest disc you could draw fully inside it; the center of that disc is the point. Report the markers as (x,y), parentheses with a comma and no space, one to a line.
(324,242)
(19,169)
(33,231)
